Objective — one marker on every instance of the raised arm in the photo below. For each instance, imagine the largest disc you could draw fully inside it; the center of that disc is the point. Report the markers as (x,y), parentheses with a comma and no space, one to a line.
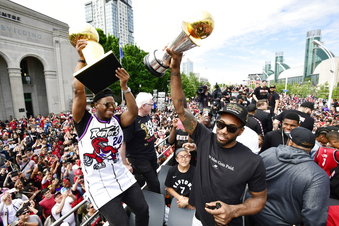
(177,93)
(79,99)
(132,110)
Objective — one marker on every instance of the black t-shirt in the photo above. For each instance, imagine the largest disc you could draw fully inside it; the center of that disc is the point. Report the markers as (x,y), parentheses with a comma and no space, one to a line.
(223,173)
(272,98)
(140,138)
(261,92)
(306,120)
(274,139)
(180,138)
(180,182)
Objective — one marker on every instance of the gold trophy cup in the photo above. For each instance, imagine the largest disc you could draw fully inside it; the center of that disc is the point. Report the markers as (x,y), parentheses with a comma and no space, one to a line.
(100,69)
(157,61)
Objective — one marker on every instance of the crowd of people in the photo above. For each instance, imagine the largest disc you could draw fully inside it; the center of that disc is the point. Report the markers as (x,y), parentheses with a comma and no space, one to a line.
(282,147)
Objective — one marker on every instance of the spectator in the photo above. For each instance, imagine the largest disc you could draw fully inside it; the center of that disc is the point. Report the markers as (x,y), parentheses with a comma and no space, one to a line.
(180,178)
(96,221)
(277,137)
(263,116)
(328,157)
(47,203)
(9,208)
(261,92)
(62,206)
(273,100)
(253,122)
(220,156)
(298,190)
(304,112)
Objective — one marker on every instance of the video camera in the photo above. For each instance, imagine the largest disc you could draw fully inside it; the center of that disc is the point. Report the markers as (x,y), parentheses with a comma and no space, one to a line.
(201,90)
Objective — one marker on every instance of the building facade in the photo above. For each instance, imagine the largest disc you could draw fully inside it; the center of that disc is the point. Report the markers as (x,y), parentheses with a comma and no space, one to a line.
(114,17)
(36,63)
(187,67)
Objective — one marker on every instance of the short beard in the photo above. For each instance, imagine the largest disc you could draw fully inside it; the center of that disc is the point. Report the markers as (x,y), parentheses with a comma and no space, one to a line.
(228,142)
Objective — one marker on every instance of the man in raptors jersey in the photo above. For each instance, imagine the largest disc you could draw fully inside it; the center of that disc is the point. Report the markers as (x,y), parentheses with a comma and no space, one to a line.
(108,182)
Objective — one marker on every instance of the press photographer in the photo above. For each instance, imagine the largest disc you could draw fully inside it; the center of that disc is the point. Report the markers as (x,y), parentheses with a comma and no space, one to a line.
(203,96)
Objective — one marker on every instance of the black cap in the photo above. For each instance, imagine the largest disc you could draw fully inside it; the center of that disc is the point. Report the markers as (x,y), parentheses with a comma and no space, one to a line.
(251,107)
(307,104)
(302,137)
(237,110)
(103,93)
(272,86)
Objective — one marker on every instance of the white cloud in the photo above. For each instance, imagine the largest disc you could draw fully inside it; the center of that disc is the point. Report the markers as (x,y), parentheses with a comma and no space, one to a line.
(237,46)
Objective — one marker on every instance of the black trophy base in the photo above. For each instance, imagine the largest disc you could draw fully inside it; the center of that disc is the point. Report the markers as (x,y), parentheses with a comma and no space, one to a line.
(99,75)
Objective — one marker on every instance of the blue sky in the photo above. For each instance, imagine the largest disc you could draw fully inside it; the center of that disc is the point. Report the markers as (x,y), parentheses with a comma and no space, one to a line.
(247,33)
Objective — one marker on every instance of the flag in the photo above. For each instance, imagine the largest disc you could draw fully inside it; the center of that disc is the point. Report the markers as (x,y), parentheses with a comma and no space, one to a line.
(121,53)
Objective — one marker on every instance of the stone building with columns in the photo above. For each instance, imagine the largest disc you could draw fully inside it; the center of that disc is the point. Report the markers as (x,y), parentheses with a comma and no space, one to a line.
(36,63)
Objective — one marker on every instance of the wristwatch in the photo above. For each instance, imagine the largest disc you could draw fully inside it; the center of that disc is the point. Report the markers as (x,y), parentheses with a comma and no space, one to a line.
(128,90)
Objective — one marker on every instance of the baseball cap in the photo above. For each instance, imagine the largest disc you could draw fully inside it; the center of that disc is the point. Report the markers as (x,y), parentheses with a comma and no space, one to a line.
(307,104)
(302,137)
(237,110)
(251,107)
(272,86)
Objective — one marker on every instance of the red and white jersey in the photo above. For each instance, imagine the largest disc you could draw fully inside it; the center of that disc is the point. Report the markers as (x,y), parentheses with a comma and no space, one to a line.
(327,158)
(105,175)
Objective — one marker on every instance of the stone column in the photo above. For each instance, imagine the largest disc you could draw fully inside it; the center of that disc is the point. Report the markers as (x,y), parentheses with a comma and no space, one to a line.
(17,91)
(52,90)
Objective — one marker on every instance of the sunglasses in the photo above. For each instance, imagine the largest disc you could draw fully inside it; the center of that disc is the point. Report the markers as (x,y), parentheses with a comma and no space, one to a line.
(230,128)
(108,104)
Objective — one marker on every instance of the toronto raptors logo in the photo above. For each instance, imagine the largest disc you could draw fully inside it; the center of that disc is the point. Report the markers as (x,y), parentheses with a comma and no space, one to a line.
(102,149)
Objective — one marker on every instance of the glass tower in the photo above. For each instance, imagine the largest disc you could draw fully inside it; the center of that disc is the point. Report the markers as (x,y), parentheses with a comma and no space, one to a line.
(313,55)
(114,17)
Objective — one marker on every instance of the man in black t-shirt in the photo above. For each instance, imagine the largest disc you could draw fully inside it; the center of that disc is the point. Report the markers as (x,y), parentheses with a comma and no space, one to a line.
(277,137)
(273,100)
(261,92)
(224,166)
(139,138)
(304,112)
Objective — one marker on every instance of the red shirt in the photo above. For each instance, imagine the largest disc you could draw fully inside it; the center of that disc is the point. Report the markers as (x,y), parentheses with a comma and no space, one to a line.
(327,158)
(47,205)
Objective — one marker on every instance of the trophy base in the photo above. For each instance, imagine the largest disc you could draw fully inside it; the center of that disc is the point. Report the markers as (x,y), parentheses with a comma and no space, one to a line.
(99,75)
(153,65)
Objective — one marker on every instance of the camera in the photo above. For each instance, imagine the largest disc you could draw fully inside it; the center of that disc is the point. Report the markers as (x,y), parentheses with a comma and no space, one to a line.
(23,209)
(201,90)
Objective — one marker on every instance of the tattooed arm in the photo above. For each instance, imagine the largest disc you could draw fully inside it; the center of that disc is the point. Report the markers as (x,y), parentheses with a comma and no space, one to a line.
(178,97)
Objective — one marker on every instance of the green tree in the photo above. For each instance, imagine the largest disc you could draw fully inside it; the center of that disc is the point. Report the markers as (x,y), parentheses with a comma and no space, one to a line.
(141,79)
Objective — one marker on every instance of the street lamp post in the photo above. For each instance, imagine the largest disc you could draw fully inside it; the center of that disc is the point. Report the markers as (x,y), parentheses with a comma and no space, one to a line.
(286,75)
(332,70)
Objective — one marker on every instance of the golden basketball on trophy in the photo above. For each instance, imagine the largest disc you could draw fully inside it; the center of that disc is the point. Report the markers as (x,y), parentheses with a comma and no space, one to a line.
(99,72)
(192,32)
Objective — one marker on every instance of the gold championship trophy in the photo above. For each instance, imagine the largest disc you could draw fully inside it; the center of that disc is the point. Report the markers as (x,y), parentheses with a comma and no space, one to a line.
(99,72)
(157,61)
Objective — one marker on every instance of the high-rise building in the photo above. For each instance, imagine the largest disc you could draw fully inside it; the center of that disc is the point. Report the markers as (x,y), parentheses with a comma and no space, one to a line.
(187,67)
(114,17)
(313,55)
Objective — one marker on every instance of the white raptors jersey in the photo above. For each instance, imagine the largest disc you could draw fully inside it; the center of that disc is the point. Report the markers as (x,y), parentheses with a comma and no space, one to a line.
(105,175)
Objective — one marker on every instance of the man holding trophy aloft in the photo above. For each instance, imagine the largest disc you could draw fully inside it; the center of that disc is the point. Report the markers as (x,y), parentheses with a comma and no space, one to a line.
(108,182)
(224,166)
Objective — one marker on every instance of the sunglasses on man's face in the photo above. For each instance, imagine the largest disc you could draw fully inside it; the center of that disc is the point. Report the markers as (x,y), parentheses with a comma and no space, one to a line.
(230,128)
